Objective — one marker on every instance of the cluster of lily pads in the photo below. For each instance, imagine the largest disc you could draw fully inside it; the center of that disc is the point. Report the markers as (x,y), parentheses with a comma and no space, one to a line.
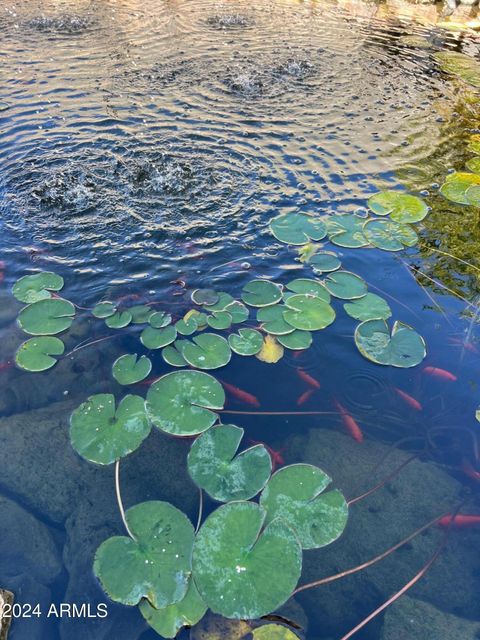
(463,187)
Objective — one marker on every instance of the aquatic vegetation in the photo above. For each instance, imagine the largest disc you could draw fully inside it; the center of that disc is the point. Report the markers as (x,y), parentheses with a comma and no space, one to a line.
(37,286)
(460,65)
(37,354)
(400,347)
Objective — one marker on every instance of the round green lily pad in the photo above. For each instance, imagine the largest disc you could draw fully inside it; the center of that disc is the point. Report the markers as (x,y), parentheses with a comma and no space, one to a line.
(129,368)
(295,494)
(224,300)
(167,622)
(219,320)
(186,326)
(297,228)
(456,185)
(273,632)
(402,207)
(346,285)
(102,434)
(46,317)
(205,296)
(156,564)
(472,194)
(297,340)
(215,468)
(310,287)
(241,569)
(183,402)
(238,311)
(261,293)
(37,354)
(206,351)
(103,310)
(119,320)
(140,313)
(474,165)
(403,347)
(324,262)
(157,338)
(369,307)
(247,342)
(173,357)
(346,230)
(308,313)
(37,286)
(159,319)
(389,235)
(272,320)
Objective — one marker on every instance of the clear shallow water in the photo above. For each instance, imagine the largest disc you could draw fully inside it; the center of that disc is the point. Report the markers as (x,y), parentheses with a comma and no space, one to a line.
(145,143)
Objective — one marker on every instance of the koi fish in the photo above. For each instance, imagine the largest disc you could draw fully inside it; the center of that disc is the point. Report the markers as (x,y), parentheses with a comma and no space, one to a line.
(440,373)
(241,395)
(304,397)
(410,400)
(460,521)
(8,364)
(298,353)
(276,456)
(306,377)
(349,423)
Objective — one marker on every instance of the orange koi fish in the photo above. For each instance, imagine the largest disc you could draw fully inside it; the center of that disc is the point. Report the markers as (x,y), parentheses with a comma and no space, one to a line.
(306,377)
(410,400)
(304,397)
(349,423)
(241,395)
(440,373)
(276,456)
(460,521)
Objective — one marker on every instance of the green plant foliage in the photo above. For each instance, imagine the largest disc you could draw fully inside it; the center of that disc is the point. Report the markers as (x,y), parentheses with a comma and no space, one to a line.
(402,207)
(215,468)
(168,621)
(272,320)
(159,319)
(403,347)
(324,262)
(157,338)
(247,342)
(102,434)
(37,286)
(173,357)
(37,354)
(456,186)
(460,65)
(140,313)
(219,320)
(295,494)
(474,144)
(389,235)
(297,340)
(224,300)
(273,632)
(187,325)
(119,320)
(103,310)
(369,307)
(472,194)
(156,565)
(205,296)
(310,287)
(474,165)
(46,317)
(206,351)
(183,402)
(308,313)
(238,311)
(297,228)
(241,569)
(346,285)
(346,230)
(261,293)
(129,368)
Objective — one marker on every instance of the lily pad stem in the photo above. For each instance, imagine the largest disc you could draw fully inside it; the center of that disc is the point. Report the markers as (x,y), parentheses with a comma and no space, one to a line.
(119,499)
(84,345)
(382,483)
(200,510)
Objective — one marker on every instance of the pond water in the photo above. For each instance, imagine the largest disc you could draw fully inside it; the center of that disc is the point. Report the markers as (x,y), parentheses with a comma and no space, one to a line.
(144,148)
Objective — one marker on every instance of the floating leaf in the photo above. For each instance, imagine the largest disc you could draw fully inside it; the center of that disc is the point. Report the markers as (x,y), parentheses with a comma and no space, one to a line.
(296,340)
(205,296)
(160,319)
(297,228)
(103,310)
(157,338)
(187,325)
(272,320)
(213,627)
(173,357)
(461,65)
(46,317)
(241,569)
(238,311)
(273,632)
(310,287)
(472,194)
(404,347)
(181,402)
(140,313)
(167,622)
(119,320)
(402,207)
(389,235)
(346,230)
(308,313)
(224,300)
(102,434)
(474,144)
(271,351)
(295,494)
(456,186)
(129,369)
(247,342)
(307,251)
(219,320)
(215,468)
(156,564)
(261,293)
(325,261)
(37,286)
(36,354)
(474,165)
(369,307)
(207,351)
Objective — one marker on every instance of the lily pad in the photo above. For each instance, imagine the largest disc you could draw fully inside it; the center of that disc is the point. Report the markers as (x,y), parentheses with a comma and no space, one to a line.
(272,320)
(346,285)
(102,434)
(456,186)
(37,286)
(273,632)
(219,320)
(157,338)
(183,403)
(324,262)
(310,287)
(298,340)
(103,310)
(205,296)
(401,207)
(206,351)
(403,347)
(167,622)
(474,144)
(247,342)
(261,293)
(474,165)
(295,494)
(129,368)
(140,313)
(187,325)
(238,311)
(308,313)
(460,65)
(472,194)
(173,357)
(224,300)
(215,468)
(369,307)
(346,230)
(271,351)
(297,228)
(37,354)
(389,235)
(156,564)
(241,569)
(46,317)
(119,320)
(159,319)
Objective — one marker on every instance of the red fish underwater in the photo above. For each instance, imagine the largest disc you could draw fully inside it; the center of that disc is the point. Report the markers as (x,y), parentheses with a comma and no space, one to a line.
(440,373)
(410,400)
(349,423)
(241,395)
(276,456)
(305,397)
(306,377)
(460,521)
